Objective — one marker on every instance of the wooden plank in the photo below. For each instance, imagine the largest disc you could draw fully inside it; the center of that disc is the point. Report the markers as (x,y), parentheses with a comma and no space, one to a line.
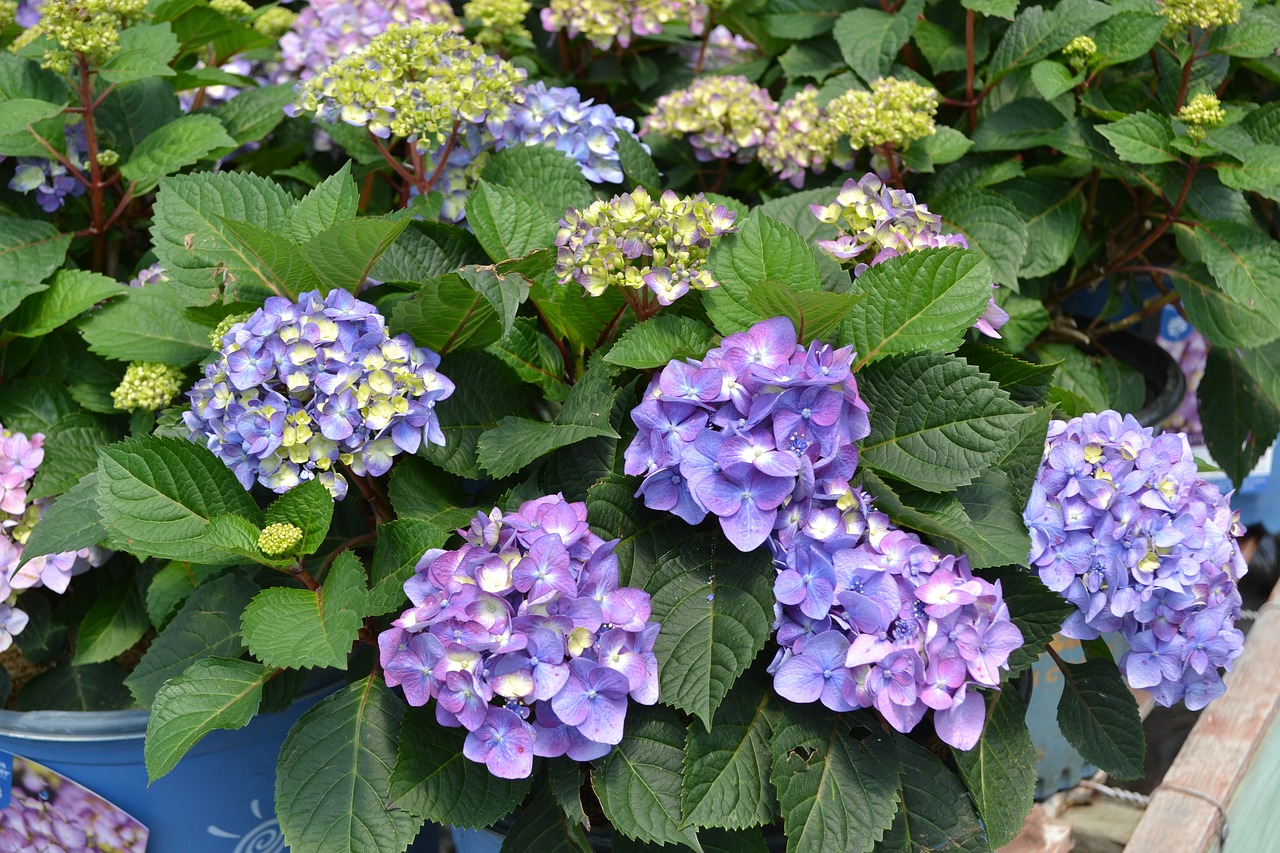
(1219,751)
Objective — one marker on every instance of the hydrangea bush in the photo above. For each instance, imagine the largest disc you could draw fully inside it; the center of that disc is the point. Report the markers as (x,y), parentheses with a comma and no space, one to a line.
(694,487)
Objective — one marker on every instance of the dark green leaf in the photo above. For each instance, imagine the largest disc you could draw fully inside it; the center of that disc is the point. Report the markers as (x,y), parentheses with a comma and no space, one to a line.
(991,224)
(665,338)
(1018,125)
(544,174)
(1099,717)
(174,146)
(290,628)
(147,324)
(335,200)
(30,250)
(543,826)
(1000,772)
(308,507)
(761,249)
(934,810)
(70,524)
(726,767)
(401,545)
(95,687)
(508,223)
(1239,422)
(115,621)
(344,254)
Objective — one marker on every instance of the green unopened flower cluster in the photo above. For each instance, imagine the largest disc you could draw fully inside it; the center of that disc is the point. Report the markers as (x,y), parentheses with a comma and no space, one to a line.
(108,157)
(231,8)
(1078,51)
(224,326)
(499,19)
(1181,15)
(414,81)
(147,386)
(721,116)
(277,539)
(8,11)
(634,242)
(275,22)
(1202,114)
(88,27)
(895,112)
(801,139)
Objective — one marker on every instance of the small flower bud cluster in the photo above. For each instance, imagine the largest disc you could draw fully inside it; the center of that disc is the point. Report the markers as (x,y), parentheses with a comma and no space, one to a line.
(8,13)
(276,21)
(895,112)
(301,387)
(560,118)
(500,20)
(234,9)
(327,30)
(225,325)
(1202,114)
(88,27)
(50,180)
(605,21)
(800,139)
(1123,527)
(278,539)
(413,81)
(153,274)
(147,387)
(750,433)
(721,117)
(1078,51)
(878,222)
(724,48)
(1182,15)
(868,616)
(50,813)
(526,619)
(108,157)
(632,241)
(20,456)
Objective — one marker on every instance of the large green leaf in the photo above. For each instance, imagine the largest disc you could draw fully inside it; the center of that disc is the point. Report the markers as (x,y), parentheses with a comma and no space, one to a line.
(726,766)
(308,507)
(1000,537)
(936,421)
(94,687)
(70,293)
(116,619)
(715,605)
(344,254)
(1141,138)
(147,324)
(145,51)
(157,495)
(487,391)
(171,586)
(30,250)
(401,544)
(991,224)
(645,536)
(433,779)
(836,792)
(870,39)
(923,300)
(470,308)
(934,809)
(215,693)
(1035,33)
(507,222)
(208,625)
(71,452)
(1259,171)
(297,628)
(1255,35)
(419,490)
(336,199)
(761,249)
(1243,261)
(1053,213)
(543,826)
(1099,717)
(254,113)
(1125,36)
(1000,772)
(1035,609)
(71,523)
(639,782)
(814,313)
(544,174)
(1018,125)
(1223,321)
(426,250)
(534,357)
(279,261)
(1239,422)
(333,781)
(174,146)
(23,119)
(660,340)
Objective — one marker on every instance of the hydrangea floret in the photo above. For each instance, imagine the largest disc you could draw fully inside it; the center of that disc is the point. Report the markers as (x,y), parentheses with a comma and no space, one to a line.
(634,242)
(1182,15)
(749,433)
(721,116)
(525,639)
(417,81)
(1124,528)
(878,222)
(724,48)
(869,616)
(147,387)
(279,538)
(276,21)
(605,21)
(88,28)
(303,387)
(50,180)
(894,112)
(1202,114)
(800,140)
(499,20)
(1078,51)
(327,30)
(152,274)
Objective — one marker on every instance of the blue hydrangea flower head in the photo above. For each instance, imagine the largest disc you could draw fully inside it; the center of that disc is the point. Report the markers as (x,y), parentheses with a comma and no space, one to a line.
(524,638)
(49,179)
(1124,528)
(302,387)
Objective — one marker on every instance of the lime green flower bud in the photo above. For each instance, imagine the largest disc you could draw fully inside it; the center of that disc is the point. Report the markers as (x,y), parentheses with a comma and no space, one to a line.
(108,157)
(499,19)
(895,112)
(1202,114)
(1181,15)
(8,11)
(88,27)
(231,8)
(1078,51)
(279,539)
(224,326)
(147,386)
(275,22)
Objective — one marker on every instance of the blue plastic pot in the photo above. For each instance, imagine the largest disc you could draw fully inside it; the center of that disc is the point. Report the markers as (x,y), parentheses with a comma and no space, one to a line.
(219,799)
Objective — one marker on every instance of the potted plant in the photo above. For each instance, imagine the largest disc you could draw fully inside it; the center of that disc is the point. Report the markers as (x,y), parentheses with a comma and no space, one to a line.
(633,511)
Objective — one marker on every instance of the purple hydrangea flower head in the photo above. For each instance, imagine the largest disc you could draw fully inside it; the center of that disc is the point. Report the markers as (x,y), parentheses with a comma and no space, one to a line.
(605,21)
(721,116)
(301,387)
(877,222)
(50,180)
(27,14)
(525,638)
(869,616)
(327,30)
(800,140)
(1124,528)
(631,241)
(755,429)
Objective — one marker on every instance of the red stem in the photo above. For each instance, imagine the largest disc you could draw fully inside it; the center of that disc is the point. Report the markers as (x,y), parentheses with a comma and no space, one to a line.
(444,159)
(969,63)
(96,185)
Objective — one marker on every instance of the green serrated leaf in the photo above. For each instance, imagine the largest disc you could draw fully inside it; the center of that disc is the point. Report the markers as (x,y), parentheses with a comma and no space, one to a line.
(1239,422)
(308,507)
(147,324)
(116,620)
(726,766)
(1255,35)
(1225,322)
(543,826)
(30,250)
(70,293)
(21,113)
(433,779)
(71,523)
(335,200)
(145,51)
(1052,79)
(1000,772)
(333,780)
(278,262)
(990,224)
(507,222)
(420,490)
(637,166)
(296,628)
(401,544)
(426,250)
(71,452)
(486,392)
(1126,36)
(1018,125)
(1141,138)
(930,407)
(1035,609)
(215,693)
(815,314)
(869,39)
(174,146)
(660,340)
(761,249)
(544,174)
(644,536)
(207,625)
(639,782)
(835,792)
(1053,213)
(534,357)
(1099,717)
(1035,33)
(934,809)
(255,112)
(1258,171)
(172,585)
(344,254)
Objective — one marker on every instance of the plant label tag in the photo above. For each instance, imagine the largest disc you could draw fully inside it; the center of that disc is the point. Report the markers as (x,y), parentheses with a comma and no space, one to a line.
(40,809)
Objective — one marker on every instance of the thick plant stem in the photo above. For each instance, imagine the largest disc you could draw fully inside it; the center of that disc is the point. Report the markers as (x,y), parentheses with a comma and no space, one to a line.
(430,183)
